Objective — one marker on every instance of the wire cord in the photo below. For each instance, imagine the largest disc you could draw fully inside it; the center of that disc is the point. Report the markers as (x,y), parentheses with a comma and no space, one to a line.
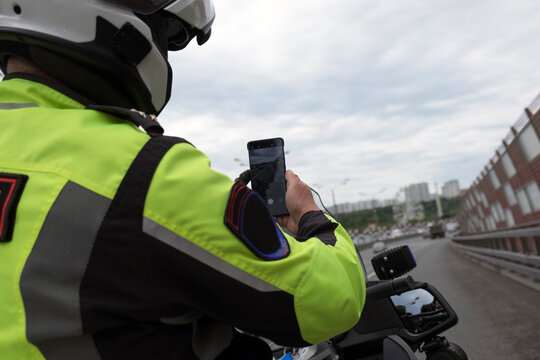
(320,200)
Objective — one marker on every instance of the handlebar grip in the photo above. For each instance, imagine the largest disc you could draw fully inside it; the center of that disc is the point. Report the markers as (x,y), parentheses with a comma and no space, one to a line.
(389,288)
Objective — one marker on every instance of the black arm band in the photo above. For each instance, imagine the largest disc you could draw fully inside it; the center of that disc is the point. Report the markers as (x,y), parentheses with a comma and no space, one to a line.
(316,224)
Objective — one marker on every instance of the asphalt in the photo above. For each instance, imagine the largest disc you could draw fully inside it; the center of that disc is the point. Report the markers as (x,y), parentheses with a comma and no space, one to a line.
(498,317)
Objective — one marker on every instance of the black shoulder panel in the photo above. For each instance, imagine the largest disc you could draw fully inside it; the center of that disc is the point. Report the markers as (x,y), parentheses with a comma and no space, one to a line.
(117,301)
(248,218)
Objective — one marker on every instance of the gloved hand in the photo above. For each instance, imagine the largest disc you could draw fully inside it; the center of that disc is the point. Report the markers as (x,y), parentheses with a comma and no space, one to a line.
(244,177)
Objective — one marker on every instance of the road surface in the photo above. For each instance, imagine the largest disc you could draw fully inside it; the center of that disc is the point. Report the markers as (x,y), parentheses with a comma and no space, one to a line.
(498,317)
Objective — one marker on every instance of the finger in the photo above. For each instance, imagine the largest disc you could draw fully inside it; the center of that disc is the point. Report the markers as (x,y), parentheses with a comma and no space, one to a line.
(290,176)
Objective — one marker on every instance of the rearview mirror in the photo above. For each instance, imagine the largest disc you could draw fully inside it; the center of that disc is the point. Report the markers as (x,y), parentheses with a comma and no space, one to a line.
(419,310)
(424,312)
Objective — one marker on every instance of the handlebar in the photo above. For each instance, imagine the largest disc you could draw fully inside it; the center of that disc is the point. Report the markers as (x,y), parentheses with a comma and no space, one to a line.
(390,287)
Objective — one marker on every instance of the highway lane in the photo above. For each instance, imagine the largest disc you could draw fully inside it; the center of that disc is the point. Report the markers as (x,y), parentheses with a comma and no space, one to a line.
(499,318)
(416,244)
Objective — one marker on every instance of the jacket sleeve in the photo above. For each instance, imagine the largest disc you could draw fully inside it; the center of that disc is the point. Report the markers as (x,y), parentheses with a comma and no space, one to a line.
(311,287)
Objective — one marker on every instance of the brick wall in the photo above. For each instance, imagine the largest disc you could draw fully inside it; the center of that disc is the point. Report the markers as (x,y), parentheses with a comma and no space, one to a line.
(474,216)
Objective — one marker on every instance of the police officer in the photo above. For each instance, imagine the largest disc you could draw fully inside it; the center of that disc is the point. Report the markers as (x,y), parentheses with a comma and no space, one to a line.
(119,243)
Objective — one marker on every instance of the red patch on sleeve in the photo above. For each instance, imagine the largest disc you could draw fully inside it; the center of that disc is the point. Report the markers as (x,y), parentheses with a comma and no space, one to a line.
(248,218)
(11,187)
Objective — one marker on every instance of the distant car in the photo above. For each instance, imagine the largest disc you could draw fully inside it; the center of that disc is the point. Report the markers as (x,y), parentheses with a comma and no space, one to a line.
(358,239)
(378,246)
(368,238)
(436,230)
(395,233)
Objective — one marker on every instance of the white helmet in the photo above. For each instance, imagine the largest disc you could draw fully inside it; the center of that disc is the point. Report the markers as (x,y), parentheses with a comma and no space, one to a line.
(115,50)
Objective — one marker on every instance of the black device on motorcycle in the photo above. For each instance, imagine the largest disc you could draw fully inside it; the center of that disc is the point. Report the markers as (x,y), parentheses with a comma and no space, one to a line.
(416,312)
(394,262)
(267,164)
(400,316)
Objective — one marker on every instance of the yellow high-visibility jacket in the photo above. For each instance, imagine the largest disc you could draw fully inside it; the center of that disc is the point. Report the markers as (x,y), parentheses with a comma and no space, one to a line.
(116,245)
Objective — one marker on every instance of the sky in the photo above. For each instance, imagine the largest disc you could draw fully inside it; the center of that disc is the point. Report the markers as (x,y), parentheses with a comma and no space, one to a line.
(382,93)
(369,96)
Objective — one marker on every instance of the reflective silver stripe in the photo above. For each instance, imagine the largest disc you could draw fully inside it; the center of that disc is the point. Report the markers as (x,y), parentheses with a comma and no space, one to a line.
(54,271)
(13,106)
(176,241)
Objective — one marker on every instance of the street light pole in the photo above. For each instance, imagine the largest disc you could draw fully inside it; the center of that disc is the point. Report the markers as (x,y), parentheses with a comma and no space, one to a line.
(437,200)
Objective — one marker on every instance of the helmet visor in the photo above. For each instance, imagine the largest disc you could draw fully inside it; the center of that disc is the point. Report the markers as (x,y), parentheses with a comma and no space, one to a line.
(144,7)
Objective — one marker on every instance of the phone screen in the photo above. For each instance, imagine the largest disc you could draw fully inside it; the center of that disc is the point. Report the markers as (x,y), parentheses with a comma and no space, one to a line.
(267,164)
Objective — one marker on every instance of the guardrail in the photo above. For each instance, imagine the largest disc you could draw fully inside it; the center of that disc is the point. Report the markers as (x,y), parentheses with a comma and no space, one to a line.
(514,249)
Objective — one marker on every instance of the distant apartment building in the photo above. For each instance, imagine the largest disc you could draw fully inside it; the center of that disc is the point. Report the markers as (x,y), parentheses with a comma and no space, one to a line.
(416,193)
(342,208)
(362,205)
(365,205)
(389,202)
(450,189)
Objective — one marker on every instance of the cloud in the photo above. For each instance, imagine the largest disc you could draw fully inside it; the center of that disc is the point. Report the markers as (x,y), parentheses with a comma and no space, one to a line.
(384,93)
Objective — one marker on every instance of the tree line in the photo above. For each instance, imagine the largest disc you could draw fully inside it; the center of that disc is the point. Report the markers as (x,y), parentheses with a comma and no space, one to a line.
(384,216)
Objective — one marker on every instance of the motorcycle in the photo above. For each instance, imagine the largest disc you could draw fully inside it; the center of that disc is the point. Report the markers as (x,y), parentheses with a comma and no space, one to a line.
(400,316)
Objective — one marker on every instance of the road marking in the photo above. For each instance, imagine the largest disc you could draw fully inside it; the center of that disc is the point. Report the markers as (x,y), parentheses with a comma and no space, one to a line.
(370,275)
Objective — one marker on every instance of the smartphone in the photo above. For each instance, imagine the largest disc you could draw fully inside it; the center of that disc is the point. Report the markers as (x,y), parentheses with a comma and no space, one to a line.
(267,164)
